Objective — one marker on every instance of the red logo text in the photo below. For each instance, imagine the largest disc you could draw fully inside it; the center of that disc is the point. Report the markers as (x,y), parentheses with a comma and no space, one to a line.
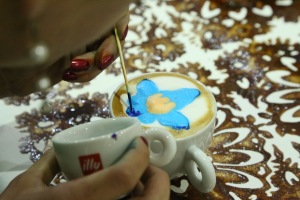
(90,163)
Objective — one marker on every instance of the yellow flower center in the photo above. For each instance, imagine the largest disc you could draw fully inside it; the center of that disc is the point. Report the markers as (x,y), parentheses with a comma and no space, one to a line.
(157,104)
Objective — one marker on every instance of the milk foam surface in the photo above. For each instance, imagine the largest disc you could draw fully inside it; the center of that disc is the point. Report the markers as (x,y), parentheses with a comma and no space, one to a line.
(198,111)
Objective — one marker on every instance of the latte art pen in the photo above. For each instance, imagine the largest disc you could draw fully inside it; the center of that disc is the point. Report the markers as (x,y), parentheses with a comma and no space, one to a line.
(123,67)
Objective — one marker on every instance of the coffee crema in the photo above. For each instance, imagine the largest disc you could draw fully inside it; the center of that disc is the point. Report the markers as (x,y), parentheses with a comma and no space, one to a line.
(171,101)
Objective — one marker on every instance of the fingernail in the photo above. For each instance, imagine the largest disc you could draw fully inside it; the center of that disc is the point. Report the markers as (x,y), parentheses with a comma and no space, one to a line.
(125,33)
(69,76)
(79,65)
(144,140)
(106,61)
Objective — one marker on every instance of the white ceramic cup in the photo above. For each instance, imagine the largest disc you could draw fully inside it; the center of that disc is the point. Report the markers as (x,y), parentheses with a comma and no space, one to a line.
(192,137)
(90,147)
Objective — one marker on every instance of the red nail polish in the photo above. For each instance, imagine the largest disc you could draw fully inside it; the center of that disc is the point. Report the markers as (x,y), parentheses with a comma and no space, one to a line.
(125,33)
(69,76)
(79,65)
(106,61)
(144,140)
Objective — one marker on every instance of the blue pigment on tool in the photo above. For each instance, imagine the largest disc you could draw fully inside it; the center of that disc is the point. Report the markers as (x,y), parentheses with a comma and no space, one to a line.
(130,102)
(132,113)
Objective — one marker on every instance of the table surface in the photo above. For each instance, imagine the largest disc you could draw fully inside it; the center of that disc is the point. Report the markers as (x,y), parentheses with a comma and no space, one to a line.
(246,52)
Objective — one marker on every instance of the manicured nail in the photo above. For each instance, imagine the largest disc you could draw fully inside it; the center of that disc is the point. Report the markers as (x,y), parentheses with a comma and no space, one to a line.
(79,65)
(106,61)
(125,33)
(69,76)
(144,140)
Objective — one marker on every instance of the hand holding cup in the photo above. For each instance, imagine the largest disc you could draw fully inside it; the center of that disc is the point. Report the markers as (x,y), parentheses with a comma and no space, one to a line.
(90,147)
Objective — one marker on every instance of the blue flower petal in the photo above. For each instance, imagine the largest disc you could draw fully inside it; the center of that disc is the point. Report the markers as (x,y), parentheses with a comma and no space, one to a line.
(147,118)
(139,100)
(181,97)
(146,88)
(174,120)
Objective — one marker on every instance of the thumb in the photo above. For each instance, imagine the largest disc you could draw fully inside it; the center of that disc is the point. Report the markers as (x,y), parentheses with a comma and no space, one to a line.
(46,168)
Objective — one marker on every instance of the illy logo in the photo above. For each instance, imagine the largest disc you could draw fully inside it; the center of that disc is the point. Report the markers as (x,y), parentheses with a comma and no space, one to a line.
(90,163)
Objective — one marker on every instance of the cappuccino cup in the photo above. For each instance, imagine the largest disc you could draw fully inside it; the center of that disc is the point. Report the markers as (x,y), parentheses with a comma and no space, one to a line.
(87,148)
(180,105)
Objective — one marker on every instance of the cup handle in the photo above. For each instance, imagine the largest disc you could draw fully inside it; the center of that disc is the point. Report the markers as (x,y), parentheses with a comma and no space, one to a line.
(205,180)
(169,146)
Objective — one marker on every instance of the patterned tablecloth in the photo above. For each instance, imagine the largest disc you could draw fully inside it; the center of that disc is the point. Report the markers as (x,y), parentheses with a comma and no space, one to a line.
(246,52)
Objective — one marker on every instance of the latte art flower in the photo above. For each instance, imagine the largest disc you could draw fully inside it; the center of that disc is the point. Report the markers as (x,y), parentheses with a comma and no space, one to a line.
(151,104)
(158,104)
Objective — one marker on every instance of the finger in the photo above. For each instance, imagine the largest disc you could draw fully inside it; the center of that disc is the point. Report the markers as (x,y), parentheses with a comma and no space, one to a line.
(87,66)
(138,190)
(122,26)
(112,182)
(156,184)
(44,169)
(107,53)
(96,44)
(82,50)
(82,69)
